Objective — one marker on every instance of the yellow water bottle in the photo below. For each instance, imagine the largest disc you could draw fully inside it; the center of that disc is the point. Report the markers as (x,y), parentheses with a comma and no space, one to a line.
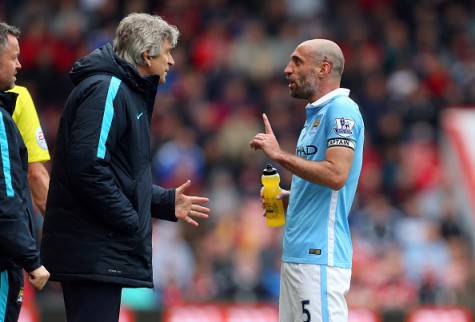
(270,179)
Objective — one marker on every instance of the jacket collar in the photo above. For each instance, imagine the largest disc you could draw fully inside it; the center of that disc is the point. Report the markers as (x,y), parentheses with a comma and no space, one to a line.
(104,60)
(8,101)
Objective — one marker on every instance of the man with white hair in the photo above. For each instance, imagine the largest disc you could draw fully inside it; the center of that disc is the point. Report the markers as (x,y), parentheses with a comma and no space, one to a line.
(97,230)
(317,251)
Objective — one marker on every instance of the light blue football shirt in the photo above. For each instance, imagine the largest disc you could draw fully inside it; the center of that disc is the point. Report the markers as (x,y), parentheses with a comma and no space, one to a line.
(317,230)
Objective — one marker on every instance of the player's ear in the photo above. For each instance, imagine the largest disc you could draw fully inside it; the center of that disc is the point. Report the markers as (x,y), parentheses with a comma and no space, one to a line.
(319,69)
(326,67)
(323,69)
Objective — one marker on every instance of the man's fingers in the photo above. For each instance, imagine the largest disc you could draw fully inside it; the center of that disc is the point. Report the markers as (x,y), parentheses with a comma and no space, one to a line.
(258,141)
(182,188)
(267,126)
(191,221)
(33,282)
(198,214)
(37,282)
(195,200)
(255,144)
(200,208)
(284,194)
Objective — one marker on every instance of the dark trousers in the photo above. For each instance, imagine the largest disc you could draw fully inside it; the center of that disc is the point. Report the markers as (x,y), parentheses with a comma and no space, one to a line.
(88,301)
(11,294)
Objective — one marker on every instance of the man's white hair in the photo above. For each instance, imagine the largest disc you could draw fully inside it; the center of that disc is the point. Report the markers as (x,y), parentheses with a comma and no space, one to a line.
(141,32)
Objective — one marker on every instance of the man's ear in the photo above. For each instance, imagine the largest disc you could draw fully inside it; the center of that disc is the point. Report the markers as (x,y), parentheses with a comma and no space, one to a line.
(320,70)
(324,68)
(328,67)
(146,58)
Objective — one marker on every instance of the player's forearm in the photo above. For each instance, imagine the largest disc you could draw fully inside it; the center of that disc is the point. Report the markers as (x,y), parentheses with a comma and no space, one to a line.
(323,172)
(38,178)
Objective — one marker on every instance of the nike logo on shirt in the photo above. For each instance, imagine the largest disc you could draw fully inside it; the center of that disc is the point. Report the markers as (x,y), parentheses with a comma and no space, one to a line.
(139,116)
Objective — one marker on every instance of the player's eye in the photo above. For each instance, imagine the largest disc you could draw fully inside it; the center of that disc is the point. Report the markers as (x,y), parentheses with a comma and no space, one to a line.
(297,61)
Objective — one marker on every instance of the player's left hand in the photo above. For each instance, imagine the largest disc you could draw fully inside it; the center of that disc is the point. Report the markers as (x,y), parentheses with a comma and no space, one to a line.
(267,141)
(188,208)
(284,196)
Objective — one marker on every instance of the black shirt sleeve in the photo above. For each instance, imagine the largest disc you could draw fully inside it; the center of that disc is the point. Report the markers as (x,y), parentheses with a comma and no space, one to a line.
(163,203)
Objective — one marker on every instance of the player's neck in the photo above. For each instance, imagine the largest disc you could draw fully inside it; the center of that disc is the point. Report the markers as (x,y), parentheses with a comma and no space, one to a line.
(323,90)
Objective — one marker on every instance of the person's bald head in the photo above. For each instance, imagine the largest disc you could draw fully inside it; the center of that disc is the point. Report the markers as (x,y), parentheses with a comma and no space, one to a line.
(324,50)
(314,69)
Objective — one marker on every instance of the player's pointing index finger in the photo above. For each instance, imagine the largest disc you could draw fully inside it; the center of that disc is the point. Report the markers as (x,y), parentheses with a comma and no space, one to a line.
(267,126)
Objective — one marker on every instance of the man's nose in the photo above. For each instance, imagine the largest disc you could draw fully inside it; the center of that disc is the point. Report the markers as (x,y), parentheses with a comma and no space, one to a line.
(287,70)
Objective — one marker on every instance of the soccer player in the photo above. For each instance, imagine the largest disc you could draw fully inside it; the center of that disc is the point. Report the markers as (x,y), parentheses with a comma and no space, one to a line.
(316,268)
(26,119)
(18,249)
(97,234)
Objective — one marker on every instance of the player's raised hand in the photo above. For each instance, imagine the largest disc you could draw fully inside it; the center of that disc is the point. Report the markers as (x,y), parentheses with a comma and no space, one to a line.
(189,207)
(267,141)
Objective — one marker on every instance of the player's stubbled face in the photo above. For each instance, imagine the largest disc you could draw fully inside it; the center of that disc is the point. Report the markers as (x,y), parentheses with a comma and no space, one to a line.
(299,74)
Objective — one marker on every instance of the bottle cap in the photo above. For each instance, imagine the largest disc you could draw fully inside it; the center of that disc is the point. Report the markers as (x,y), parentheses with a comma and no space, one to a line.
(269,170)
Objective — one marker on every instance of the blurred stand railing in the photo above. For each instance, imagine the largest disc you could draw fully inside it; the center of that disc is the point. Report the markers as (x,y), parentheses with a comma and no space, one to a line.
(458,154)
(262,312)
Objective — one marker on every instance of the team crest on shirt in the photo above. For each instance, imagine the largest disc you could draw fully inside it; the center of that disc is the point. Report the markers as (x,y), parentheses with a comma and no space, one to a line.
(344,127)
(40,139)
(316,124)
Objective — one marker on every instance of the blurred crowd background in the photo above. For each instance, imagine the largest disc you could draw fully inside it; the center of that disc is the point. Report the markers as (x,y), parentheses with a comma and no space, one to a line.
(406,61)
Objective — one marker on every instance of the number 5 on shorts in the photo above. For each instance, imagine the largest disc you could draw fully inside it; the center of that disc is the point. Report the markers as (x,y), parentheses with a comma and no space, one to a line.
(305,311)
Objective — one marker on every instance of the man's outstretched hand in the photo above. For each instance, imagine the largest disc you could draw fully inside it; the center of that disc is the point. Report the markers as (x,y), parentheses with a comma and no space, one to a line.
(188,208)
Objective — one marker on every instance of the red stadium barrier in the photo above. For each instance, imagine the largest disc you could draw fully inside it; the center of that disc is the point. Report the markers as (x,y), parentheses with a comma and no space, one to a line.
(222,313)
(29,309)
(244,313)
(28,313)
(363,315)
(440,314)
(126,315)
